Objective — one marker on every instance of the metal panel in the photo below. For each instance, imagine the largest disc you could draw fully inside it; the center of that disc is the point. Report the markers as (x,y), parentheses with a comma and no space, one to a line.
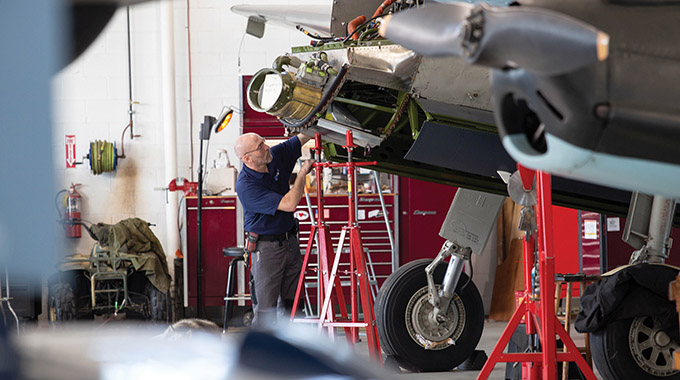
(255,26)
(468,150)
(382,64)
(391,66)
(637,222)
(471,218)
(452,81)
(386,64)
(335,133)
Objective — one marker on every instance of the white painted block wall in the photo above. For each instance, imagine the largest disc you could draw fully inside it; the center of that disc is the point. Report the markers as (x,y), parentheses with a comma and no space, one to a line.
(91,102)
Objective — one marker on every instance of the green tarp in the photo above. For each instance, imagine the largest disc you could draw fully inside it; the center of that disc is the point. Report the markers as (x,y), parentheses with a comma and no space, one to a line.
(133,239)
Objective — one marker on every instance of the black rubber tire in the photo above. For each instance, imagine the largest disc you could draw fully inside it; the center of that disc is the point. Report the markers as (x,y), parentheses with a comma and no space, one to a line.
(159,303)
(392,364)
(395,340)
(612,353)
(248,316)
(83,299)
(61,303)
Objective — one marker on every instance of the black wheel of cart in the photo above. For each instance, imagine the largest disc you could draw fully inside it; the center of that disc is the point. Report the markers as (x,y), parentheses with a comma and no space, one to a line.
(61,303)
(159,303)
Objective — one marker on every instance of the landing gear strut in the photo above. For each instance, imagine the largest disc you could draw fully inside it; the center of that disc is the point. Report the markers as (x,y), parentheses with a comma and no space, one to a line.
(430,316)
(639,348)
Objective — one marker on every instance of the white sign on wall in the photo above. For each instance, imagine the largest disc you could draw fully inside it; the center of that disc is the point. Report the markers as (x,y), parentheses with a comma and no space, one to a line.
(590,229)
(613,224)
(70,151)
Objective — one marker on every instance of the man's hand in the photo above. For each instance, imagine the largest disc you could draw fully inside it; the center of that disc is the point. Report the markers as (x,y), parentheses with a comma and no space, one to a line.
(306,167)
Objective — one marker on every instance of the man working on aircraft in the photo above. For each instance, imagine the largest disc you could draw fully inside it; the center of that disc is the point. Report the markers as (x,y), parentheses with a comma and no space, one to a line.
(268,204)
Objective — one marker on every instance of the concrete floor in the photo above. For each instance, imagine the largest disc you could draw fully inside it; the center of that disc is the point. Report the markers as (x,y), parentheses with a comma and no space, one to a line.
(492,332)
(490,335)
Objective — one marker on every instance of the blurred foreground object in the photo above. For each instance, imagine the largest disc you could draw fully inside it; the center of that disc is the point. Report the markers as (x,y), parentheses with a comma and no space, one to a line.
(135,353)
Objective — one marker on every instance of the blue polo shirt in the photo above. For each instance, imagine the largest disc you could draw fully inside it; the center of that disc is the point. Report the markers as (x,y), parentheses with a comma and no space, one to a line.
(261,193)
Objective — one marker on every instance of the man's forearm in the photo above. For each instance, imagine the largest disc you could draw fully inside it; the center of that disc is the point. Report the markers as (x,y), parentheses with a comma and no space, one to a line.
(292,198)
(303,138)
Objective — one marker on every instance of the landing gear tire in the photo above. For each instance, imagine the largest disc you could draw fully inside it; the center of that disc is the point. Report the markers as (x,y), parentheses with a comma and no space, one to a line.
(61,304)
(634,348)
(405,329)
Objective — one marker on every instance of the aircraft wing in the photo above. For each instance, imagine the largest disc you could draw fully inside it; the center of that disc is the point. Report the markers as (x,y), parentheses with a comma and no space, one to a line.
(315,18)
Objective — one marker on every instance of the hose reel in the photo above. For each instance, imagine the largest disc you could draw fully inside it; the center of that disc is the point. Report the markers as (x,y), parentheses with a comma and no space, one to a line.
(103,157)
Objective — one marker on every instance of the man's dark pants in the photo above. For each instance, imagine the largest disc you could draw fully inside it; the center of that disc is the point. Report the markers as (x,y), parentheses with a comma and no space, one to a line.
(276,269)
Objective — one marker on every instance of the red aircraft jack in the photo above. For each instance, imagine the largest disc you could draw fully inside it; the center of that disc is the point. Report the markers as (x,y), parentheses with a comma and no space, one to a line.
(328,280)
(538,312)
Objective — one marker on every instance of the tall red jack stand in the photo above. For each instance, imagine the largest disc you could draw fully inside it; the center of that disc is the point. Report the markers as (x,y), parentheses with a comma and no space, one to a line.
(329,281)
(539,313)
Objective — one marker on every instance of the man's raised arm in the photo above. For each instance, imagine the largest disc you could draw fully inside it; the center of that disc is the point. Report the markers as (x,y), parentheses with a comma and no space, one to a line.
(303,138)
(290,201)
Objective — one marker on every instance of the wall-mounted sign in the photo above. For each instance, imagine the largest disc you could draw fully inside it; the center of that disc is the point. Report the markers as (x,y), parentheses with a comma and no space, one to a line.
(613,224)
(70,151)
(590,229)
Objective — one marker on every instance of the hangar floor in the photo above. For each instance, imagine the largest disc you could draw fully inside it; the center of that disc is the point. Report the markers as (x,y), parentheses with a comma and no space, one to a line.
(490,336)
(492,332)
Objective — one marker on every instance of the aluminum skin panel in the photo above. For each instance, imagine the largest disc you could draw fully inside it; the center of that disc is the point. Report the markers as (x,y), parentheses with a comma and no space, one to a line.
(452,81)
(471,218)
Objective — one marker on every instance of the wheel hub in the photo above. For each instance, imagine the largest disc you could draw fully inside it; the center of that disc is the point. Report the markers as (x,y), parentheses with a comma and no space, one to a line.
(662,339)
(651,347)
(430,331)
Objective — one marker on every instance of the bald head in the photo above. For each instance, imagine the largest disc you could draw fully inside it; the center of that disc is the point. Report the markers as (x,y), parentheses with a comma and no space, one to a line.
(245,143)
(252,150)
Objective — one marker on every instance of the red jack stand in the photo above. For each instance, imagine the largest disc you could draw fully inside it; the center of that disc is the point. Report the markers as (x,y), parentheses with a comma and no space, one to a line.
(323,250)
(539,313)
(357,263)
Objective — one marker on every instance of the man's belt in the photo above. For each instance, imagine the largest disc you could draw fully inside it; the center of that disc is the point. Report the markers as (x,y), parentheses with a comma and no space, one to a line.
(280,237)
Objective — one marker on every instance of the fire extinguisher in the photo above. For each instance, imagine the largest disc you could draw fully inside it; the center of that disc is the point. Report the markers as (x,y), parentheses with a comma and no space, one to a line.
(73,199)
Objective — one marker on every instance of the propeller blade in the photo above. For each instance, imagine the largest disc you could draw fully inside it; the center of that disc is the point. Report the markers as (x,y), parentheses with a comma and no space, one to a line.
(538,40)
